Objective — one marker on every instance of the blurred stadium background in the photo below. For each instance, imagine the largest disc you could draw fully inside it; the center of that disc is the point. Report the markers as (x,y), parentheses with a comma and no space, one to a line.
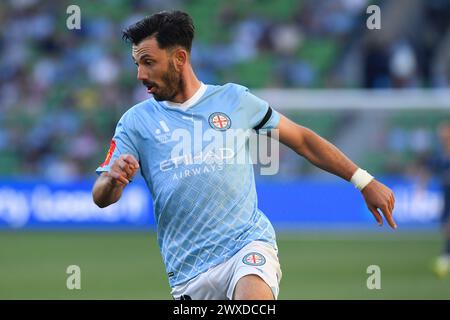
(379,95)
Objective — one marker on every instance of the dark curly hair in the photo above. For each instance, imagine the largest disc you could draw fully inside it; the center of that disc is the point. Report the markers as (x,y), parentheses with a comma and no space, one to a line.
(169,28)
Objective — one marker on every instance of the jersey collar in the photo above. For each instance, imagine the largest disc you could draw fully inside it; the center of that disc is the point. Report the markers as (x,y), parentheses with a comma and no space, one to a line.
(190,102)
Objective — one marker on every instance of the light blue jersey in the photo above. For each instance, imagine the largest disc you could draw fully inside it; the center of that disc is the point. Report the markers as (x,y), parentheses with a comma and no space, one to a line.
(205,204)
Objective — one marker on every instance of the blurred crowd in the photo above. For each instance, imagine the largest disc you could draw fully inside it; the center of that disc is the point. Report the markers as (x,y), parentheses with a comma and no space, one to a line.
(413,48)
(62,91)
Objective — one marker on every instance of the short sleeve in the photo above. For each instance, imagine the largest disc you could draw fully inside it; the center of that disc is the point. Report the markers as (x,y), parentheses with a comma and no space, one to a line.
(260,114)
(121,143)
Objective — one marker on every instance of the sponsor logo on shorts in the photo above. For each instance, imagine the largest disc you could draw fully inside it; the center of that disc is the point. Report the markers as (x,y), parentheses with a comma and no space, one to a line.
(254,259)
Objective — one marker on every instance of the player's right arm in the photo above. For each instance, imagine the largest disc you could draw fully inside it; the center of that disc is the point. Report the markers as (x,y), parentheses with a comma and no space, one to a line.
(110,184)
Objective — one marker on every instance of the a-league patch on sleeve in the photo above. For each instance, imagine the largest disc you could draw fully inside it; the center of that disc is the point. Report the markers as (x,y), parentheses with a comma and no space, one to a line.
(254,259)
(111,149)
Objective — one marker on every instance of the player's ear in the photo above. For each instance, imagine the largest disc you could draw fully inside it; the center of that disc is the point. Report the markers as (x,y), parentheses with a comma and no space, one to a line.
(180,58)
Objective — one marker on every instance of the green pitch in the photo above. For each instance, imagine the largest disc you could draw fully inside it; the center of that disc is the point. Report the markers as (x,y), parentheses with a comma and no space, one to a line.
(127,265)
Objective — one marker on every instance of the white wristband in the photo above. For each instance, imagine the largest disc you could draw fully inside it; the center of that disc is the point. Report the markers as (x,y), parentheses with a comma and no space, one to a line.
(361,178)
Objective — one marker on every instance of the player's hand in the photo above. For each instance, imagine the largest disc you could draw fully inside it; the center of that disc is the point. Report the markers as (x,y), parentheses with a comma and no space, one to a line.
(378,196)
(123,169)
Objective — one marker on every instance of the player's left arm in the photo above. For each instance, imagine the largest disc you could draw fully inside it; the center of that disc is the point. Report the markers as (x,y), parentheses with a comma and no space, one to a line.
(328,157)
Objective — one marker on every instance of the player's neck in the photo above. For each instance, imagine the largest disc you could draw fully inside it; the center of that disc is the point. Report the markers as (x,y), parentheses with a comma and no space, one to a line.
(190,86)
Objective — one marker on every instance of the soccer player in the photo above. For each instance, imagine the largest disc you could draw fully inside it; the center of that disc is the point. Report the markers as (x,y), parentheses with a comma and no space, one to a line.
(440,164)
(214,241)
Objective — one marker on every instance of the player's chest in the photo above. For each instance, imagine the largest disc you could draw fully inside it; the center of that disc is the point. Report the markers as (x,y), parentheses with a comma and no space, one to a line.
(189,134)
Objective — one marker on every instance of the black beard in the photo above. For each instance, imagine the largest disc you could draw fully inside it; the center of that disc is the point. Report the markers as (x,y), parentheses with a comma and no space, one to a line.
(173,84)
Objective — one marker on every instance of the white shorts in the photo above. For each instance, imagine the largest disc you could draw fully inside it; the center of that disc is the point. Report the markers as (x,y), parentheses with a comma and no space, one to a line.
(218,283)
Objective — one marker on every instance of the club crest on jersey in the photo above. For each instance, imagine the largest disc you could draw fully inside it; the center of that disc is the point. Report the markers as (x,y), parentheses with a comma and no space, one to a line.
(219,121)
(254,259)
